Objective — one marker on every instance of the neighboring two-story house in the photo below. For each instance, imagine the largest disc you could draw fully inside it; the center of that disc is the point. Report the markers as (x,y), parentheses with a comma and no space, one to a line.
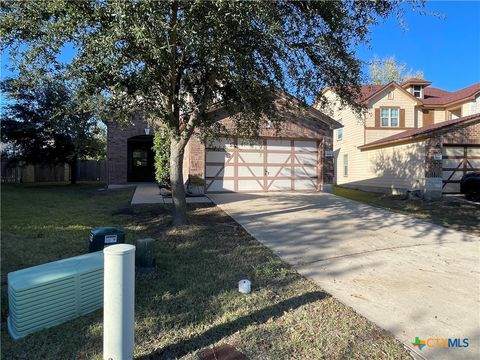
(412,136)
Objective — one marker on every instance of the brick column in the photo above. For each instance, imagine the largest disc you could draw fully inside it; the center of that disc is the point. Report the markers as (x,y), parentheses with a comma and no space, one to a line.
(433,168)
(196,165)
(328,165)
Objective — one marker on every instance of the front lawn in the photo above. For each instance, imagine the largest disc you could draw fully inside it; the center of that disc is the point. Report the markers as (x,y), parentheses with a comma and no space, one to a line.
(452,211)
(191,301)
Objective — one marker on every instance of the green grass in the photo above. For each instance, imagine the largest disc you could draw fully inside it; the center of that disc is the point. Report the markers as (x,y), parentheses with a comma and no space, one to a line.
(452,211)
(191,301)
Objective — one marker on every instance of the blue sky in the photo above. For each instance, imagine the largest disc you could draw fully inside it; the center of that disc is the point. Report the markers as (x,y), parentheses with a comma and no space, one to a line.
(446,49)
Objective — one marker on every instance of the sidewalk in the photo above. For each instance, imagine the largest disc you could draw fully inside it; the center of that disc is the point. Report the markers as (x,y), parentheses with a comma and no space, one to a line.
(149,193)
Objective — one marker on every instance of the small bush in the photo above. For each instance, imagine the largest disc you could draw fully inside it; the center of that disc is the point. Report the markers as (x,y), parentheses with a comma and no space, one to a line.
(161,147)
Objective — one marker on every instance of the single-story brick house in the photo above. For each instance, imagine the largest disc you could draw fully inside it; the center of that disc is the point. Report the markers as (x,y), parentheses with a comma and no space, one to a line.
(293,158)
(436,156)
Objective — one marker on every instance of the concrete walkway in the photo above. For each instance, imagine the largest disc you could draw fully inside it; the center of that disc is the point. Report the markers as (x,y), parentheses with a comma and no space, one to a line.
(410,277)
(149,193)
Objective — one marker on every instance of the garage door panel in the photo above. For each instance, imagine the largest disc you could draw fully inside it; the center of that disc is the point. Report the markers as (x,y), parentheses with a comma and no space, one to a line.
(452,151)
(250,185)
(218,156)
(473,151)
(452,175)
(308,159)
(274,158)
(475,163)
(279,145)
(451,163)
(253,158)
(303,145)
(219,171)
(280,185)
(310,171)
(451,188)
(279,170)
(306,184)
(246,171)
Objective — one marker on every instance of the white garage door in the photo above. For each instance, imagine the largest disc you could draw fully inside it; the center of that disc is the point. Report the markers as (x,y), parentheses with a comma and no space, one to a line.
(262,165)
(456,161)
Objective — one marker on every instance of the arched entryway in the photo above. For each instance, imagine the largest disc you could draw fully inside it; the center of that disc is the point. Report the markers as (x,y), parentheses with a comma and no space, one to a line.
(140,159)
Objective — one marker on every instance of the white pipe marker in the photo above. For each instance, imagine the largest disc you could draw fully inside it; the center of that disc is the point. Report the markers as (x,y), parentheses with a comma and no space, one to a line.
(119,302)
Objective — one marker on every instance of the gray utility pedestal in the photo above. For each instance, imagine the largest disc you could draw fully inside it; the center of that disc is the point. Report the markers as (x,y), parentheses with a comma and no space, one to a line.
(145,254)
(433,188)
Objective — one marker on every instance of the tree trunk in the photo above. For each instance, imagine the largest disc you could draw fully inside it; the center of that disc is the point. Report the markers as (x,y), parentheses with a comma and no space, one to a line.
(73,171)
(177,149)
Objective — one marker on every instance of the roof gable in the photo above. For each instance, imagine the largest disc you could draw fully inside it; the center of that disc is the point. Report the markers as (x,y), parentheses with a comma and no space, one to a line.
(393,84)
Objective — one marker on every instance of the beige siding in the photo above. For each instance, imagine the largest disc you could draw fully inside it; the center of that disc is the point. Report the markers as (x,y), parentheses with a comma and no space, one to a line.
(439,115)
(399,99)
(393,169)
(471,107)
(353,133)
(376,134)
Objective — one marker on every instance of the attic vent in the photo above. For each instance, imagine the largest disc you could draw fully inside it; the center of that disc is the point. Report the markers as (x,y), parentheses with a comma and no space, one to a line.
(50,294)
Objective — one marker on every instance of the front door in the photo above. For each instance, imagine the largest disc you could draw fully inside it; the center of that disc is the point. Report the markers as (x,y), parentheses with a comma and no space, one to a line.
(141,159)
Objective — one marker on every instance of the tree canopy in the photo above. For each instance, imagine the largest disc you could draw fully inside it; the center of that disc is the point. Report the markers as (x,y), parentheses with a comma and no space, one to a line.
(383,71)
(173,60)
(44,123)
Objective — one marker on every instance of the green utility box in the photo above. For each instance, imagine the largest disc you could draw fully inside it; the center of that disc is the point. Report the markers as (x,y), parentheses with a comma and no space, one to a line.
(104,236)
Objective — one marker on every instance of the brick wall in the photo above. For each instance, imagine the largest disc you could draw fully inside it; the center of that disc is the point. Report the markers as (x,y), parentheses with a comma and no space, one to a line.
(117,137)
(463,134)
(468,134)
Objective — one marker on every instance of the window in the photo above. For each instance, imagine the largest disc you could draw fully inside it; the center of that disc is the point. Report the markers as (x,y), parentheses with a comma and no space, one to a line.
(389,117)
(345,165)
(390,95)
(417,91)
(140,158)
(340,131)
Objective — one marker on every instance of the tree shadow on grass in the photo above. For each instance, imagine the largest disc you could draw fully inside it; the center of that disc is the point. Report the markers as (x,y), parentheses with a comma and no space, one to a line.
(219,332)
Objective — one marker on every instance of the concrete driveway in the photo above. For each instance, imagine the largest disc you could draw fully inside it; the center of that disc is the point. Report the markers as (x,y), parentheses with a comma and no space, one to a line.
(410,277)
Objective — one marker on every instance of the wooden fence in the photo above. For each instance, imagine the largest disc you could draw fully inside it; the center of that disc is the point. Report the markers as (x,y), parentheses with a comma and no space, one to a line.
(87,170)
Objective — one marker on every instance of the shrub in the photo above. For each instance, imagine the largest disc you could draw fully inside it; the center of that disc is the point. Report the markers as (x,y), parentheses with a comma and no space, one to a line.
(161,147)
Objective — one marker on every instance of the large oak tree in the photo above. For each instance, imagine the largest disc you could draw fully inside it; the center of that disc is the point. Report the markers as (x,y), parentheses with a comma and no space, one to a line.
(174,59)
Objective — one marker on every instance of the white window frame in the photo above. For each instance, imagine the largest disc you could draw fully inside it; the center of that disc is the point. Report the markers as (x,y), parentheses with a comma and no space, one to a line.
(340,131)
(389,117)
(420,92)
(345,165)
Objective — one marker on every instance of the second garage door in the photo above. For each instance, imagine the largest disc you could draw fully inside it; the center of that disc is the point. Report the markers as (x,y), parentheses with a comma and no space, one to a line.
(238,165)
(457,161)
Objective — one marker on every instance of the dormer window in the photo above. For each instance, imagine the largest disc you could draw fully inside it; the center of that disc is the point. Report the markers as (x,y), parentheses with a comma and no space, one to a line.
(418,91)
